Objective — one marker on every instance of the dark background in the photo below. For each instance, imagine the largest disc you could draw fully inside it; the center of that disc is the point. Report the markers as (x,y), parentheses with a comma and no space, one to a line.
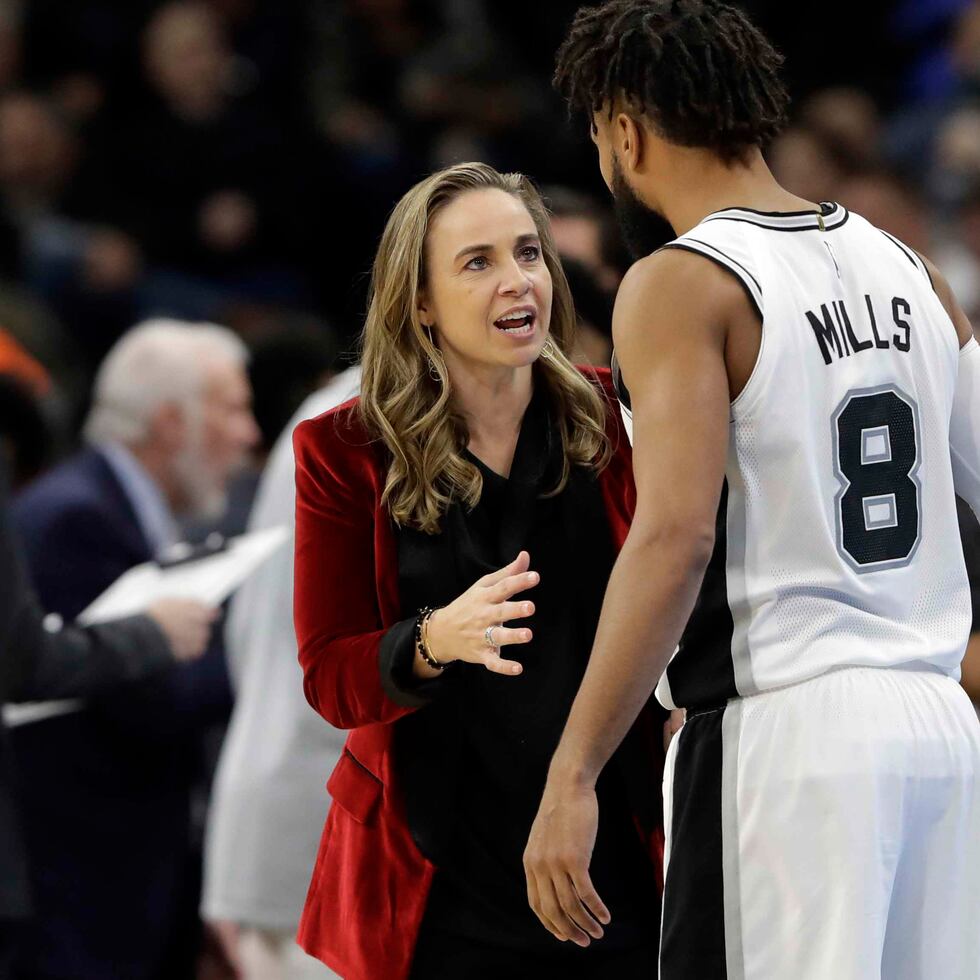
(234,160)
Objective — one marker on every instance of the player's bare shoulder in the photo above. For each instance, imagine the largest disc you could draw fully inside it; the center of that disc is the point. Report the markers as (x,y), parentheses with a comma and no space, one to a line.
(673,288)
(964,330)
(676,297)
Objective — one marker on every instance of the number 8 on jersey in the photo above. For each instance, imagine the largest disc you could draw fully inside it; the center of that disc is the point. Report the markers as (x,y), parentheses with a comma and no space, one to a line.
(876,456)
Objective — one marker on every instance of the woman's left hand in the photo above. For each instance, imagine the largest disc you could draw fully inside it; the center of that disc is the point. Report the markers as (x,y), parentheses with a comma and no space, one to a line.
(466,628)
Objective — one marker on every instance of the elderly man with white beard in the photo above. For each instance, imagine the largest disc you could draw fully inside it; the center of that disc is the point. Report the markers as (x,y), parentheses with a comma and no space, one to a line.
(108,789)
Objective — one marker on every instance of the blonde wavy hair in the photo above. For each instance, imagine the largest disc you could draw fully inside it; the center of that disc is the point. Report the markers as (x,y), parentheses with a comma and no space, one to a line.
(411,411)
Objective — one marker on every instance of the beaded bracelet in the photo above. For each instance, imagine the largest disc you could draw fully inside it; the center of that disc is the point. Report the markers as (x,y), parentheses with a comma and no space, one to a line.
(422,639)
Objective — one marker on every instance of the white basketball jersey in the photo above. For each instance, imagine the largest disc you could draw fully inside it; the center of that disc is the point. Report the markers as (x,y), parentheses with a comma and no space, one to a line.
(837,540)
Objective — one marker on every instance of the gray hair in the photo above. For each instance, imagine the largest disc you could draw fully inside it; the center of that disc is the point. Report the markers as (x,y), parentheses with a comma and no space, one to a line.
(159,361)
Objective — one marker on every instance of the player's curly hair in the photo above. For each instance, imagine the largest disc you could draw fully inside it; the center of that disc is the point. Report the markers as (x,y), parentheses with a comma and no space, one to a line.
(699,70)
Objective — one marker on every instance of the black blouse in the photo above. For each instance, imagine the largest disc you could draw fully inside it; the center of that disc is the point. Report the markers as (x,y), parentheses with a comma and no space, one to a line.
(471,807)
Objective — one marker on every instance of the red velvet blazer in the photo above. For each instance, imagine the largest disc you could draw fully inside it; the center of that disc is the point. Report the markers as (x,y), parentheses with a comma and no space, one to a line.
(371,883)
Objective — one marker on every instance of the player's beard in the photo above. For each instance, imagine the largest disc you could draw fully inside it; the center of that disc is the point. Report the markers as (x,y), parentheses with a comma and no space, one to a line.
(643,230)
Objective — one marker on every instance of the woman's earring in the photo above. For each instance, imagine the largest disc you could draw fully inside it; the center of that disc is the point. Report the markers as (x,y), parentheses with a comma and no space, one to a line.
(433,368)
(547,350)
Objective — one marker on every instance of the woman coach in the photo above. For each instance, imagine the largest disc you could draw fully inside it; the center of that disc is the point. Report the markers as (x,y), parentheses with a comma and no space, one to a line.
(474,441)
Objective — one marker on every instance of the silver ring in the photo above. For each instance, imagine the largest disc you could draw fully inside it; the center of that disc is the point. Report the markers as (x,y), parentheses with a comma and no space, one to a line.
(488,636)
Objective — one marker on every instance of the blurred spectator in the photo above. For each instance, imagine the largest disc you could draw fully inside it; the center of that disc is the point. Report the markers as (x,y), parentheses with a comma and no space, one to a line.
(204,178)
(16,361)
(84,269)
(24,435)
(291,356)
(36,159)
(33,327)
(595,261)
(959,255)
(803,163)
(37,662)
(964,51)
(11,43)
(117,895)
(956,159)
(270,44)
(889,203)
(269,804)
(576,223)
(586,231)
(941,61)
(942,77)
(286,368)
(37,153)
(846,119)
(480,96)
(363,48)
(359,51)
(82,53)
(593,312)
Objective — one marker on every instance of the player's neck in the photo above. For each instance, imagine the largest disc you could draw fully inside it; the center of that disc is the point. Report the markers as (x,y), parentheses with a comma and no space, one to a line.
(703,184)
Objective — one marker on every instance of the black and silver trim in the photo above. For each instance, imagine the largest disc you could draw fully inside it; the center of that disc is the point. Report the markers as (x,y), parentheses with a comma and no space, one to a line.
(711,252)
(911,255)
(829,217)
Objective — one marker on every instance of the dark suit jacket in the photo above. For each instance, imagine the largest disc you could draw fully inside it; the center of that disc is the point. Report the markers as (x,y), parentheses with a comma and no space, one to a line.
(107,804)
(35,665)
(371,882)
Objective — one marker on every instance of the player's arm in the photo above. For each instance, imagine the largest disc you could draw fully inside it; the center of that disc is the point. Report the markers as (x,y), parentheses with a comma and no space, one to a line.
(964,425)
(669,326)
(970,668)
(964,330)
(964,438)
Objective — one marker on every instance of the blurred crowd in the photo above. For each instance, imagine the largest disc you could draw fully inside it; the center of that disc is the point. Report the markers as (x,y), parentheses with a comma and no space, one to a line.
(233,161)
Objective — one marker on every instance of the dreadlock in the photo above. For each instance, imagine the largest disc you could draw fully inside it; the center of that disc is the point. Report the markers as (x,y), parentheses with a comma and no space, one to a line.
(699,70)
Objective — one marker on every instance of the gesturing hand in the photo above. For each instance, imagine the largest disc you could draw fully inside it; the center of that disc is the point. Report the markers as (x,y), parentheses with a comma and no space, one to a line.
(459,631)
(556,863)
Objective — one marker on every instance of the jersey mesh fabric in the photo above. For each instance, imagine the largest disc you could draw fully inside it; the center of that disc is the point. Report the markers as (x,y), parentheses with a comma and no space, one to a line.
(827,569)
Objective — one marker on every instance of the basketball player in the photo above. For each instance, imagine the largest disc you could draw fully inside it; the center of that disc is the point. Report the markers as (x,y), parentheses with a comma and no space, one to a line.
(804,393)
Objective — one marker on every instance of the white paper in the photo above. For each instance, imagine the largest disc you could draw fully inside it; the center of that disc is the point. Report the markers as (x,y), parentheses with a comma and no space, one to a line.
(25,714)
(210,580)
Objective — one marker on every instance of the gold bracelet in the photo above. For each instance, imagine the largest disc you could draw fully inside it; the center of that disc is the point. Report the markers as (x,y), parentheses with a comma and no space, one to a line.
(422,640)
